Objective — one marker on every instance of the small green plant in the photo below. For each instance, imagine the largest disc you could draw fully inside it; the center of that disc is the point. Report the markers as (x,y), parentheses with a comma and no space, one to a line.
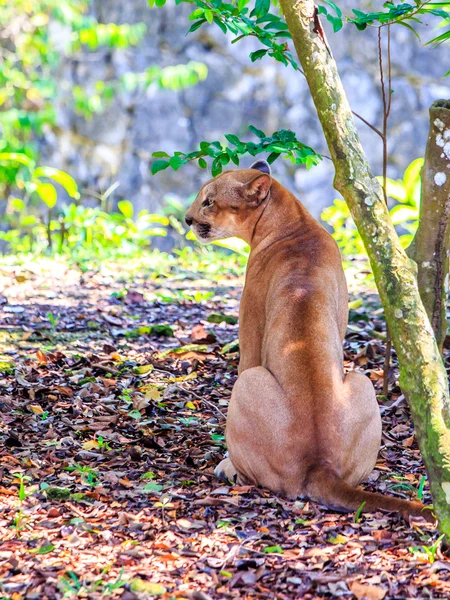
(53,321)
(103,443)
(22,495)
(89,476)
(185,483)
(72,585)
(420,488)
(428,551)
(359,512)
(22,491)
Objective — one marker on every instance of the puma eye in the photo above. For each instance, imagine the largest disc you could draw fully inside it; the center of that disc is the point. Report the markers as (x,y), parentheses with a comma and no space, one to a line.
(206,203)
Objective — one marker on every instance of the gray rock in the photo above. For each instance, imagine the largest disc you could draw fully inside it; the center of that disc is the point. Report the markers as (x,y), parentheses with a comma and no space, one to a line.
(117,144)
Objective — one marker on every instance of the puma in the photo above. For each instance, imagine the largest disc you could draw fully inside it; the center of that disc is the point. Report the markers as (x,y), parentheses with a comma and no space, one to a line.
(297,424)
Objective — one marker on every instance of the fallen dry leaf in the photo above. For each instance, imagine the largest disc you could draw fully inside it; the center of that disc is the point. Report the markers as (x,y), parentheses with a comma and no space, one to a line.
(367,592)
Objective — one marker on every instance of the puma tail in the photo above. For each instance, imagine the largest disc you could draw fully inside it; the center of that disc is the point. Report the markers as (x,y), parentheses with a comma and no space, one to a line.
(323,485)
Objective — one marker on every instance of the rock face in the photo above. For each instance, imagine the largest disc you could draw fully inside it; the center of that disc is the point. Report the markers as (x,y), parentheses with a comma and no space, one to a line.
(117,144)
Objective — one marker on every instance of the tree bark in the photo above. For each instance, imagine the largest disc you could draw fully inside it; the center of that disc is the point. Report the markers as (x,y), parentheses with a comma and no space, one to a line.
(422,374)
(431,242)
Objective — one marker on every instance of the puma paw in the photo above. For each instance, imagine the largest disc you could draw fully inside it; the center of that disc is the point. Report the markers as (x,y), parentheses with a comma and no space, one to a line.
(225,470)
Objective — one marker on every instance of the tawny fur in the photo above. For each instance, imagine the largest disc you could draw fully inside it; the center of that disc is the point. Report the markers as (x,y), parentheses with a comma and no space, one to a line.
(296,424)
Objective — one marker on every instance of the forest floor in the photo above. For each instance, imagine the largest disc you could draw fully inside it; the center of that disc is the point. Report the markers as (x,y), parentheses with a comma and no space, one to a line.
(114,386)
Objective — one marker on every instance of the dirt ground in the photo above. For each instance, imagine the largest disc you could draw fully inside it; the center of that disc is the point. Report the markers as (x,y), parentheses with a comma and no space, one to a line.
(114,385)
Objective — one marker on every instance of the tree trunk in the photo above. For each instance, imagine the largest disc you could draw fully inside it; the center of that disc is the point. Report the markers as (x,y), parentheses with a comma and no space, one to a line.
(422,374)
(430,246)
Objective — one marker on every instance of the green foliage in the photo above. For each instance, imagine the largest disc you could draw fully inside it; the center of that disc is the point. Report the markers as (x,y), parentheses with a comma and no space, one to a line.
(344,230)
(72,586)
(82,230)
(406,192)
(37,36)
(336,21)
(428,552)
(29,178)
(30,58)
(282,142)
(394,14)
(175,77)
(237,19)
(405,214)
(94,100)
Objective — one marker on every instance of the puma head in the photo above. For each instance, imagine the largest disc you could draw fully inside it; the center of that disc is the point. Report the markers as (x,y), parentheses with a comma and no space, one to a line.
(227,205)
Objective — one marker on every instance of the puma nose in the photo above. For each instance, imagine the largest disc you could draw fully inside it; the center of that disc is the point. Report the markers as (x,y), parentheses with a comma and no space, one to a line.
(189,221)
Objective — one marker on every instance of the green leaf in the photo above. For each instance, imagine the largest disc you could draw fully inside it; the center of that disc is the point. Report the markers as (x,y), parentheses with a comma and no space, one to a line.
(230,347)
(64,179)
(233,155)
(160,155)
(202,163)
(359,511)
(134,414)
(410,28)
(222,318)
(152,487)
(23,159)
(273,157)
(273,550)
(335,7)
(261,8)
(233,139)
(257,132)
(176,161)
(421,486)
(242,4)
(403,213)
(336,22)
(209,15)
(216,167)
(44,549)
(221,25)
(47,193)
(159,165)
(126,208)
(196,14)
(258,54)
(196,25)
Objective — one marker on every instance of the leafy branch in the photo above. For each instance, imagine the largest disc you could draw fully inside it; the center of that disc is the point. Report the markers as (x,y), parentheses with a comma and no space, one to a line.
(283,142)
(239,21)
(395,14)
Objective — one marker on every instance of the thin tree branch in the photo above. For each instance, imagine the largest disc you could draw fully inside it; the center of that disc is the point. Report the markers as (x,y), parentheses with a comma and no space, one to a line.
(389,72)
(377,131)
(385,113)
(386,110)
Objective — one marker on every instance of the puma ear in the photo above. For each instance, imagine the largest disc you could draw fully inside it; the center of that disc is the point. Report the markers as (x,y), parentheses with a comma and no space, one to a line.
(261,165)
(257,189)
